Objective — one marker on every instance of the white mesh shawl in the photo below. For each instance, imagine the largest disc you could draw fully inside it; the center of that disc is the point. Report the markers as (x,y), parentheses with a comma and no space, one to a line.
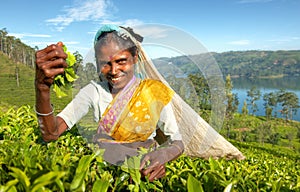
(199,138)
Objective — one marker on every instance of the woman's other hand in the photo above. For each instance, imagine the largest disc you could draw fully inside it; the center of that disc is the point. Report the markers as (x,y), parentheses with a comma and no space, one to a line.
(153,163)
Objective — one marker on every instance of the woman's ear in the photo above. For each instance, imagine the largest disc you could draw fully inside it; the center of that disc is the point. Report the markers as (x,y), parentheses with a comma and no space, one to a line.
(135,58)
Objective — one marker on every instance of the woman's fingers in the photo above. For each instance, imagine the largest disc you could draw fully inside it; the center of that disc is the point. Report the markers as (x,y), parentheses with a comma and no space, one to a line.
(50,62)
(157,173)
(60,44)
(46,50)
(149,169)
(144,161)
(50,56)
(50,69)
(57,63)
(51,52)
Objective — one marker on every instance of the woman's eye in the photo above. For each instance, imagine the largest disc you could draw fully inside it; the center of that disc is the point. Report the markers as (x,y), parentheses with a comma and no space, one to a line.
(104,65)
(122,61)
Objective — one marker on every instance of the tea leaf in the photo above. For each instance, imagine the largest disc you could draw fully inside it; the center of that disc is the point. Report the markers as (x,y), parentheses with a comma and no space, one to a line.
(68,77)
(193,185)
(100,185)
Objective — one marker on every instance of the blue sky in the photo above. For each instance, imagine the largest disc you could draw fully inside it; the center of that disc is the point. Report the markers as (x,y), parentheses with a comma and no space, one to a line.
(217,25)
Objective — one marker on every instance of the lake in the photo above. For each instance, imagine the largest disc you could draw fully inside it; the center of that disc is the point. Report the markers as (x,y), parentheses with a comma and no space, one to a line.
(242,85)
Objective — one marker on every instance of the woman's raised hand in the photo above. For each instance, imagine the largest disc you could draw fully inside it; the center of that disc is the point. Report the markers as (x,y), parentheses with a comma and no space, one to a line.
(50,62)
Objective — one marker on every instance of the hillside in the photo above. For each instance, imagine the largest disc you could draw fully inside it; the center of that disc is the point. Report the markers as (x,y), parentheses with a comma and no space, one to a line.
(17,85)
(263,64)
(16,80)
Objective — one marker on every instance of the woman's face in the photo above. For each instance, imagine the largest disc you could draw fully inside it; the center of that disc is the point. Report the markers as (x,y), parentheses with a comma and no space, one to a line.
(116,65)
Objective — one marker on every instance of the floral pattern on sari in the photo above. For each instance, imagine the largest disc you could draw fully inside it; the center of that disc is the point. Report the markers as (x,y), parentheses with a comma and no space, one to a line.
(133,114)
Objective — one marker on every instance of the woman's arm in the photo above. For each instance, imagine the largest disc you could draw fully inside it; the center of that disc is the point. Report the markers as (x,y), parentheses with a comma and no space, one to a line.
(116,153)
(50,62)
(158,158)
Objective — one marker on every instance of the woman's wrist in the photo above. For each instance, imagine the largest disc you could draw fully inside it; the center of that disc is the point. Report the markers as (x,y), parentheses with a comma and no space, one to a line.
(177,147)
(44,114)
(42,87)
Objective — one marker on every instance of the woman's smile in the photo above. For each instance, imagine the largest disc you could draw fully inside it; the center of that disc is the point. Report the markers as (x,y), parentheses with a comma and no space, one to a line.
(116,79)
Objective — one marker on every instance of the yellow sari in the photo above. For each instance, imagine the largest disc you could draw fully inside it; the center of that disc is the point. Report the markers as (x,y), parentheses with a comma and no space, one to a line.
(133,114)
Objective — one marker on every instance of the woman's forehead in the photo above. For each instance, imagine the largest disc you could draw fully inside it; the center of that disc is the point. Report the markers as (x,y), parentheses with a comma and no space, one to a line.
(108,53)
(108,50)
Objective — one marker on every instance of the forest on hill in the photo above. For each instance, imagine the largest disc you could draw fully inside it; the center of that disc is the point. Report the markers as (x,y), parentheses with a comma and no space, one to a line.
(254,63)
(250,64)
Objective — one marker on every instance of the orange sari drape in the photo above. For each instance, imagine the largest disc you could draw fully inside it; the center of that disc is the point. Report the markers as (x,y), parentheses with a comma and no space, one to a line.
(133,114)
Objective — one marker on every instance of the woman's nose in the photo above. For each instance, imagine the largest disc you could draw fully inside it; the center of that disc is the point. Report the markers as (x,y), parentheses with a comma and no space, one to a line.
(114,68)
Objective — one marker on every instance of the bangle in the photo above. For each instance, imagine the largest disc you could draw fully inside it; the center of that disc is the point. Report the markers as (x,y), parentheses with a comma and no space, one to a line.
(179,149)
(44,114)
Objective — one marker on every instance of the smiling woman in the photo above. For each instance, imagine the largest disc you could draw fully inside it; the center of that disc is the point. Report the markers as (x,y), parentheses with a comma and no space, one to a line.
(132,103)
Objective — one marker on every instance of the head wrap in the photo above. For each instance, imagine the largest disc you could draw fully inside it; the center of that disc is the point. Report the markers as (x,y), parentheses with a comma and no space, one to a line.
(199,138)
(122,32)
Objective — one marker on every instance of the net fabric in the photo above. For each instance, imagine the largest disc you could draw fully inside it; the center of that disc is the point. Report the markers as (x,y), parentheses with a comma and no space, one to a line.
(199,138)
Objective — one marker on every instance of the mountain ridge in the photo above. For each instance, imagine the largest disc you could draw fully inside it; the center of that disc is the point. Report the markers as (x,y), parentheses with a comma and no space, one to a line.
(250,64)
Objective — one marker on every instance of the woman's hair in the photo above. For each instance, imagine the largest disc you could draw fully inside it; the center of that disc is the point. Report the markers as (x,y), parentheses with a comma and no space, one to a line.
(124,42)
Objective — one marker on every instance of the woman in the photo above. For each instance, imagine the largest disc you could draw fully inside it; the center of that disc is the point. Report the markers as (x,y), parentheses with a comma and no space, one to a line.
(128,106)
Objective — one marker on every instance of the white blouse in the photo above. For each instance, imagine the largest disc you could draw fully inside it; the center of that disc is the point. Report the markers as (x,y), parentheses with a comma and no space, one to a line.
(96,96)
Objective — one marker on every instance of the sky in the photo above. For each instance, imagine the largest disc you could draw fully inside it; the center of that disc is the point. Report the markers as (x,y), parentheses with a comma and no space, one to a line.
(169,27)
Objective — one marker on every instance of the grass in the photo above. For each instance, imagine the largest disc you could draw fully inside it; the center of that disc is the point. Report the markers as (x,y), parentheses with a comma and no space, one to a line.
(13,95)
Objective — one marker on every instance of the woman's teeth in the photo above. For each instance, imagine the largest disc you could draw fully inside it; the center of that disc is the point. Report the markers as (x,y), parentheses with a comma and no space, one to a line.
(115,78)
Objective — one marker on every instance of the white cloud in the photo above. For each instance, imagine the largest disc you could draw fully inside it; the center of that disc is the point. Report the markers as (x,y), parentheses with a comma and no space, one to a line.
(132,23)
(127,23)
(21,35)
(52,42)
(154,32)
(284,40)
(91,10)
(240,42)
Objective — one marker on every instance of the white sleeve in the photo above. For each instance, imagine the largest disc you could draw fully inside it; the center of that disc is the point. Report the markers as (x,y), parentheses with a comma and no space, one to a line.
(168,123)
(78,107)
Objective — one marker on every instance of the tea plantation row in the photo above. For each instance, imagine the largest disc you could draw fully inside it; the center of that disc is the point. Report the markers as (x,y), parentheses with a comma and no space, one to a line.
(70,164)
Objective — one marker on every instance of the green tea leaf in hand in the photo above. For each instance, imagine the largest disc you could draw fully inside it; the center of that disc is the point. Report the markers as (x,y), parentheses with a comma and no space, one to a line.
(68,77)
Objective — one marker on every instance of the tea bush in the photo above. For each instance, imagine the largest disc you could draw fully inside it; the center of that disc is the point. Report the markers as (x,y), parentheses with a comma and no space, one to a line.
(71,164)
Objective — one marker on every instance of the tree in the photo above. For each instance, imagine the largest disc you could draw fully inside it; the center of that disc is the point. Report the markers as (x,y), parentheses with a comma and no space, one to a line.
(254,95)
(3,34)
(270,103)
(202,90)
(79,60)
(231,98)
(298,131)
(86,74)
(245,109)
(262,131)
(274,138)
(289,102)
(232,103)
(16,50)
